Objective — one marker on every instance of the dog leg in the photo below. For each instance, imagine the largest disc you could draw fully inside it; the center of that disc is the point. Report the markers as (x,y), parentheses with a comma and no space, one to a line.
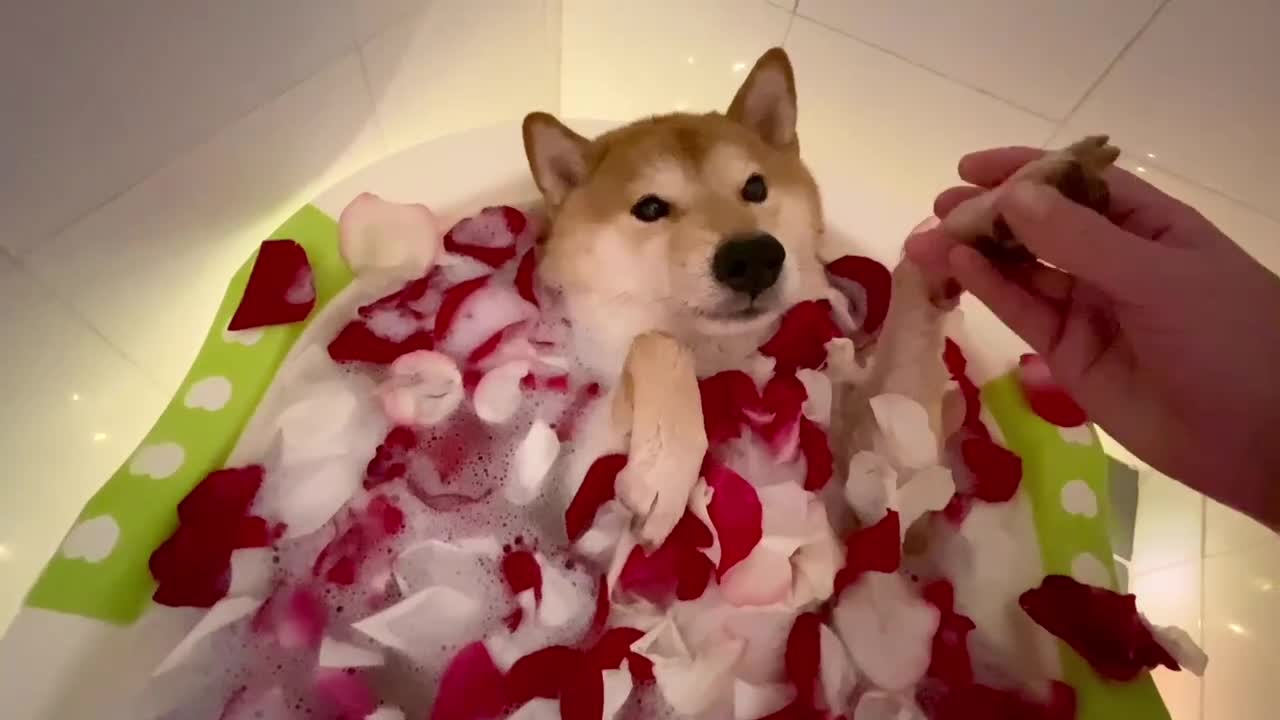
(1076,171)
(658,402)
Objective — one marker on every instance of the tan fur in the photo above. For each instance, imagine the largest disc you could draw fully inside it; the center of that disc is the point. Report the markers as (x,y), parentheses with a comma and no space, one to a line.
(622,277)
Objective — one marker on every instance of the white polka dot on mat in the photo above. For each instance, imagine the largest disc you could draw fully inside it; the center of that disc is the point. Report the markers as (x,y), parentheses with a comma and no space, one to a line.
(157,461)
(92,540)
(242,337)
(1078,435)
(211,393)
(1088,569)
(1079,499)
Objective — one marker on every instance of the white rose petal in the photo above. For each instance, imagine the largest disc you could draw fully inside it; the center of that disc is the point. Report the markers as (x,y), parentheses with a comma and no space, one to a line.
(498,394)
(905,425)
(887,628)
(532,461)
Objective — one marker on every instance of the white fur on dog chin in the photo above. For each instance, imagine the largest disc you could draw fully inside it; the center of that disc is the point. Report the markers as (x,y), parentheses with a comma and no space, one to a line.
(660,401)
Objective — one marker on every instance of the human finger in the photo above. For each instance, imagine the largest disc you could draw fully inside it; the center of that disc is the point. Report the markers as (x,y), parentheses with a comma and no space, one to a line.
(989,168)
(1077,239)
(948,199)
(1032,317)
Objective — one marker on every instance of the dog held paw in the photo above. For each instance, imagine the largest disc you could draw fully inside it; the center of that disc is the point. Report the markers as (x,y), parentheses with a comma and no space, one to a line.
(1075,171)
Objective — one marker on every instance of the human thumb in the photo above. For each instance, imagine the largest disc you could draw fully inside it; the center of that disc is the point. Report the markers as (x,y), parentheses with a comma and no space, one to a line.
(1075,238)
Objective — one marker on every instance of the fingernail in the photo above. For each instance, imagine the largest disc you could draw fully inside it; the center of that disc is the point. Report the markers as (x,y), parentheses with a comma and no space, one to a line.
(1030,200)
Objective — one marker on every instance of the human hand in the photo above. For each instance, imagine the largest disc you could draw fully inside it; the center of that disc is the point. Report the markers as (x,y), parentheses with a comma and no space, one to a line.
(1161,327)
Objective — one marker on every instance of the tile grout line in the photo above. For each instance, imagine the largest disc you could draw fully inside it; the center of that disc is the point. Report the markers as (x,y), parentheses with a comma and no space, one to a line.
(931,71)
(791,22)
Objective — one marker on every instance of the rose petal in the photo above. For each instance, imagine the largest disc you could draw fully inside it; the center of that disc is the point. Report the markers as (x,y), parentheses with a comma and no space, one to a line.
(817,390)
(521,571)
(474,312)
(871,488)
(357,342)
(222,495)
(537,709)
(338,654)
(950,660)
(835,671)
(803,656)
(691,686)
(1102,626)
(880,705)
(905,425)
(471,688)
(817,455)
(582,694)
(928,490)
(783,397)
(763,578)
(1182,648)
(424,389)
(1045,396)
(595,491)
(873,549)
(887,628)
(223,613)
(753,701)
(677,567)
(300,620)
(420,623)
(525,277)
(995,472)
(726,398)
(868,286)
(802,336)
(375,235)
(735,513)
(251,571)
(561,600)
(280,289)
(617,688)
(385,713)
(533,459)
(489,236)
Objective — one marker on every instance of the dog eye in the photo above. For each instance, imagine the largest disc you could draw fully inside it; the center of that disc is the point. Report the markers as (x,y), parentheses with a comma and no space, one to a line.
(650,208)
(754,190)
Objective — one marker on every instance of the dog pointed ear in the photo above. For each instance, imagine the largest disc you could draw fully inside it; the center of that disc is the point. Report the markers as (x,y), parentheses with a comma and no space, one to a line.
(558,156)
(766,102)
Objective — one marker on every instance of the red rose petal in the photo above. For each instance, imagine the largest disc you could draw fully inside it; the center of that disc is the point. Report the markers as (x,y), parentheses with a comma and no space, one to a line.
(487,348)
(614,646)
(735,512)
(726,398)
(601,616)
(475,238)
(582,692)
(540,674)
(280,290)
(407,298)
(677,567)
(876,283)
(357,343)
(953,358)
(596,490)
(250,531)
(1102,626)
(982,701)
(819,463)
(803,656)
(222,495)
(300,620)
(524,277)
(783,398)
(950,660)
(521,572)
(996,472)
(877,548)
(452,301)
(801,338)
(1045,396)
(471,688)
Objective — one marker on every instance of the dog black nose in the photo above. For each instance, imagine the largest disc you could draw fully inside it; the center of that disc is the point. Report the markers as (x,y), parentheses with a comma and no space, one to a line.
(749,264)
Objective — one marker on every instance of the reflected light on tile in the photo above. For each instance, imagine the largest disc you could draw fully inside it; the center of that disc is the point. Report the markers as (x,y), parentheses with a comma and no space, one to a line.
(739,67)
(1237,628)
(1140,169)
(690,60)
(75,396)
(99,436)
(1264,585)
(1151,155)
(5,553)
(682,106)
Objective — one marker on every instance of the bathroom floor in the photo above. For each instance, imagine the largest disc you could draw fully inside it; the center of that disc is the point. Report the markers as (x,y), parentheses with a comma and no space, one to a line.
(135,186)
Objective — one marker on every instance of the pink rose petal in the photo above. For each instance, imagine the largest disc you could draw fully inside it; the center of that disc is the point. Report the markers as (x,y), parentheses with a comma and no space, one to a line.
(280,290)
(382,236)
(346,691)
(472,687)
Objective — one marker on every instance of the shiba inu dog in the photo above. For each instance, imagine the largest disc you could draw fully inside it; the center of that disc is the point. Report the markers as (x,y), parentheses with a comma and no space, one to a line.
(703,227)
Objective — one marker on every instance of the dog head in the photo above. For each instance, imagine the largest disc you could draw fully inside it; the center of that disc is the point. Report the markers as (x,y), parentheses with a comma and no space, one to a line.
(710,223)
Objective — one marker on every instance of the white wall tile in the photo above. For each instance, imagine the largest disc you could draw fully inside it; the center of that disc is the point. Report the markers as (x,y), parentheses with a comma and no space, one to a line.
(74,410)
(457,65)
(1171,596)
(1227,530)
(98,95)
(1042,55)
(1241,632)
(1168,528)
(1199,90)
(149,268)
(620,63)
